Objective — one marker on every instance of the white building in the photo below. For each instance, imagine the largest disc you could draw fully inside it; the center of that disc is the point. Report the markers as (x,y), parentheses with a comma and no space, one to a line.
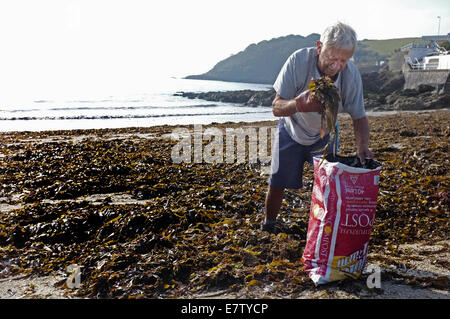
(422,56)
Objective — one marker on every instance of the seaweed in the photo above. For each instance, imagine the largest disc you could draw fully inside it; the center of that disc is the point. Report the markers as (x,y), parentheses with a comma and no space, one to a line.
(353,161)
(191,228)
(324,91)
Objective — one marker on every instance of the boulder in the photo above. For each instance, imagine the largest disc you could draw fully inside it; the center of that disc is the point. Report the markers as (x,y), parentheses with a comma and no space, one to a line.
(422,88)
(396,82)
(408,103)
(438,101)
(262,98)
(382,82)
(372,101)
(246,97)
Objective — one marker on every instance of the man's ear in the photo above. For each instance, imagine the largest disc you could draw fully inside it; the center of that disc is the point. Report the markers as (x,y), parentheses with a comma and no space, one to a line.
(319,46)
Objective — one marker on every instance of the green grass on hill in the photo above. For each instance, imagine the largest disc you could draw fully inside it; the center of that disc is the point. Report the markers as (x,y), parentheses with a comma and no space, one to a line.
(387,47)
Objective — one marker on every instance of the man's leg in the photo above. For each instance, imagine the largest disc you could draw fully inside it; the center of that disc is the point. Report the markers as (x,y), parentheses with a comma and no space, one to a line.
(286,172)
(274,198)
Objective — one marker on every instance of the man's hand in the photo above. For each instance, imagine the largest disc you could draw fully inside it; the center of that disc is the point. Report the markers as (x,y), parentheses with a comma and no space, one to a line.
(364,152)
(361,129)
(306,103)
(302,103)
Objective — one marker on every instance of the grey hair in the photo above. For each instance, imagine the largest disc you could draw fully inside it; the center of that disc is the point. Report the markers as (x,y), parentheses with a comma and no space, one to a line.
(340,36)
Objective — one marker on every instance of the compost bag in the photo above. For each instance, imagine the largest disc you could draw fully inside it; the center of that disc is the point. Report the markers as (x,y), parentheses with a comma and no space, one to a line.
(341,219)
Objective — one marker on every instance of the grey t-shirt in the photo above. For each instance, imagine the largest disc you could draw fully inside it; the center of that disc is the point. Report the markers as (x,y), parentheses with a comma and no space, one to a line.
(299,69)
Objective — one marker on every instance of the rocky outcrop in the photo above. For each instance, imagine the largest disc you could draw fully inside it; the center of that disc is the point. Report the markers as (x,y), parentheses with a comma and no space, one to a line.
(245,97)
(384,91)
(423,98)
(408,99)
(261,98)
(383,82)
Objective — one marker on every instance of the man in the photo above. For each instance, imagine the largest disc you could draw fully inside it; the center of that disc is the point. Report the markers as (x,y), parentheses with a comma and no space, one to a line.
(298,134)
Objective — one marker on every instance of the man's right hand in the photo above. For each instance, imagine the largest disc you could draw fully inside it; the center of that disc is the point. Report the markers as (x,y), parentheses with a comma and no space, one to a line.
(306,103)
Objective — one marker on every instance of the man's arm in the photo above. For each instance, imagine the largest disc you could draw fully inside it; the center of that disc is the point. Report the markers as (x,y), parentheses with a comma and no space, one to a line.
(282,107)
(302,103)
(361,129)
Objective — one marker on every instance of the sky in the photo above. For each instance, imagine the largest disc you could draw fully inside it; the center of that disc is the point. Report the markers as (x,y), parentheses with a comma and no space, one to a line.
(76,45)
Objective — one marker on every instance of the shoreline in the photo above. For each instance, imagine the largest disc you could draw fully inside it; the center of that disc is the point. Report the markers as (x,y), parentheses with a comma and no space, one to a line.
(369,113)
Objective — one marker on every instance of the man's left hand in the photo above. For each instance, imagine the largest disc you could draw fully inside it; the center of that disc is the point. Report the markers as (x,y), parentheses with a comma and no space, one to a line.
(361,128)
(364,152)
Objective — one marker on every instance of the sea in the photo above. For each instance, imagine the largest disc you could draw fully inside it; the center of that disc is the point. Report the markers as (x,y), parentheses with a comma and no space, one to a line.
(157,104)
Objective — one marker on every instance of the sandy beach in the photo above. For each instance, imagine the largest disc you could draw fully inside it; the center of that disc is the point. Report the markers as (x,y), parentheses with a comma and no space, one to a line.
(142,219)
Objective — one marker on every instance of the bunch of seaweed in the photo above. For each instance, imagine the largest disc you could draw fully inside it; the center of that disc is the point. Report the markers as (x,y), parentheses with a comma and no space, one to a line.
(324,91)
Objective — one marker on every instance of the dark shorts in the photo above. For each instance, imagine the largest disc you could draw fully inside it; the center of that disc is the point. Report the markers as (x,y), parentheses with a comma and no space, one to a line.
(289,157)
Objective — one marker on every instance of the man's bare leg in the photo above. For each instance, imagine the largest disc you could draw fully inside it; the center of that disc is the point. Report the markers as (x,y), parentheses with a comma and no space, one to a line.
(274,198)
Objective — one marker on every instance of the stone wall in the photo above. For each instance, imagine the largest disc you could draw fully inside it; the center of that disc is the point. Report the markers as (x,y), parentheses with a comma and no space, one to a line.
(437,78)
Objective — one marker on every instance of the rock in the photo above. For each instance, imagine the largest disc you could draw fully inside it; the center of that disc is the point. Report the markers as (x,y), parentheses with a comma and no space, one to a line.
(439,101)
(241,96)
(370,82)
(382,82)
(409,92)
(391,98)
(262,98)
(421,99)
(246,97)
(408,103)
(422,88)
(373,101)
(396,82)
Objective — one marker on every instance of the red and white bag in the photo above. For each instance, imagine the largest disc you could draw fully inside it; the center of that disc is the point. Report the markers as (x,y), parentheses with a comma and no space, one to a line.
(342,214)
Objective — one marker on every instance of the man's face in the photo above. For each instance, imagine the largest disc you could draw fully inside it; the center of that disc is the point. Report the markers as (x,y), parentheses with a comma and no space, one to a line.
(332,60)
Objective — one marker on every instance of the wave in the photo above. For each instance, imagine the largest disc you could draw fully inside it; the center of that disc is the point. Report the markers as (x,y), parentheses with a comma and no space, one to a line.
(42,101)
(129,116)
(112,108)
(145,107)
